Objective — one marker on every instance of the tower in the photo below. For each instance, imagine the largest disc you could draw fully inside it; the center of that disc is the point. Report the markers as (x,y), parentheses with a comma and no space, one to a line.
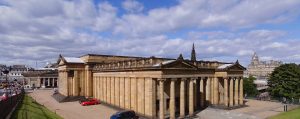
(193,54)
(254,59)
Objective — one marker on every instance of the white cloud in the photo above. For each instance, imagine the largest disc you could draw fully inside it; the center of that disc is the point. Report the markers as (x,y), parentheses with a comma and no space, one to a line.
(40,30)
(132,6)
(209,14)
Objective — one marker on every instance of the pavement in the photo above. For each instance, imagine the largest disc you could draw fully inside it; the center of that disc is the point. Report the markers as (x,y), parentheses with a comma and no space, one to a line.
(71,110)
(261,109)
(254,109)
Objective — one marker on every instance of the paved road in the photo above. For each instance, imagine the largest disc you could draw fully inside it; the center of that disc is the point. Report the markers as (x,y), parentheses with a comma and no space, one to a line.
(72,110)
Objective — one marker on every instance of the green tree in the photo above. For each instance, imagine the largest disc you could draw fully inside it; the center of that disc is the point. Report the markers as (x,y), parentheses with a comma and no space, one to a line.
(285,81)
(249,86)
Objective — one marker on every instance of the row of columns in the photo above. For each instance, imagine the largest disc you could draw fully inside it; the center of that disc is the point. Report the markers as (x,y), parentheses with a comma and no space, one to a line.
(139,94)
(48,80)
(172,98)
(212,88)
(134,93)
(234,95)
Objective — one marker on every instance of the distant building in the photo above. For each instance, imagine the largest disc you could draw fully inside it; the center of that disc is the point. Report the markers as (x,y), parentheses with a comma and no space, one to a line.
(16,71)
(261,70)
(42,78)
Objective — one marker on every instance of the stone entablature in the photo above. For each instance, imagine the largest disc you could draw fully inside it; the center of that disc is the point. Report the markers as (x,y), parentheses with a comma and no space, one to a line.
(150,63)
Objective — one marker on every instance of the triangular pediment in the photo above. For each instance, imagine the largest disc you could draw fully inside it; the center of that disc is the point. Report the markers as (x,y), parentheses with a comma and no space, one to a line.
(61,60)
(179,64)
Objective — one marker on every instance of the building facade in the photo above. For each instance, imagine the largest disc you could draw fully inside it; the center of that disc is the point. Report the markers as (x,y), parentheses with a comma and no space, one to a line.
(261,70)
(153,87)
(15,73)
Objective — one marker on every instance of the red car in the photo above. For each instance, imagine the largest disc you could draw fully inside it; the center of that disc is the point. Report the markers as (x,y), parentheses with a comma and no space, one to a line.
(91,101)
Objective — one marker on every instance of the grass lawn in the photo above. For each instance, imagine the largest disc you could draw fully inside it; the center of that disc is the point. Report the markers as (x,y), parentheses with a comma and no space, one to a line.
(29,109)
(293,114)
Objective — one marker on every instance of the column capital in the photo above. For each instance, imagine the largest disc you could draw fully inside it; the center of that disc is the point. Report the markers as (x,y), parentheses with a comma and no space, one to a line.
(225,77)
(184,79)
(194,78)
(161,79)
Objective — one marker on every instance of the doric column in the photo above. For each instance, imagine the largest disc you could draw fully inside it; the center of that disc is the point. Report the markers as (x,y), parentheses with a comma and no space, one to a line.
(191,96)
(182,98)
(161,100)
(44,82)
(216,91)
(100,88)
(226,91)
(104,90)
(127,92)
(117,91)
(48,81)
(231,92)
(112,92)
(241,92)
(122,92)
(95,88)
(207,92)
(133,94)
(150,97)
(211,89)
(236,92)
(202,92)
(89,76)
(75,83)
(108,81)
(172,99)
(141,95)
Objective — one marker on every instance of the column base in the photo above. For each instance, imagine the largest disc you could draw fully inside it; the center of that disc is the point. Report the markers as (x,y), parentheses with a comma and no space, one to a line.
(181,117)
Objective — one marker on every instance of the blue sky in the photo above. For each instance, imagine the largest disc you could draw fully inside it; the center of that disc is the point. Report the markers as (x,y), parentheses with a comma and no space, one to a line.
(225,30)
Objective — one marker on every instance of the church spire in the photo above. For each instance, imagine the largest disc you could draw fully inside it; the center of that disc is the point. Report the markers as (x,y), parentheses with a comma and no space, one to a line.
(193,54)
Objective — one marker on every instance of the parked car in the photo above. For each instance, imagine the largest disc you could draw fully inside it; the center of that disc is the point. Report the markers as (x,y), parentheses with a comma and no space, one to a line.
(128,114)
(90,101)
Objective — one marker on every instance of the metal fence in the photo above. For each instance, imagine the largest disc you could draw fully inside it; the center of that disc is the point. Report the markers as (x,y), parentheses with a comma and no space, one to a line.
(7,105)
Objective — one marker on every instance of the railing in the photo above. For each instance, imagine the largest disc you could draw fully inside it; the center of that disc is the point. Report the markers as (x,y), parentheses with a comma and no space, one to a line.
(8,104)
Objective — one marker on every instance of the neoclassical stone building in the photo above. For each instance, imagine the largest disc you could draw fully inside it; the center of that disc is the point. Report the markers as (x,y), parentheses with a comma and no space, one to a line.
(151,86)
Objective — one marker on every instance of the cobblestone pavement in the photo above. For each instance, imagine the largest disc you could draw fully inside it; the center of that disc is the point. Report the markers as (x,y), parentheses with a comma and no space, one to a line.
(254,110)
(72,110)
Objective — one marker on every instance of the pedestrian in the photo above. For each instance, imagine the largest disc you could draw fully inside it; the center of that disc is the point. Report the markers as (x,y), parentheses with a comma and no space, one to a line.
(284,100)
